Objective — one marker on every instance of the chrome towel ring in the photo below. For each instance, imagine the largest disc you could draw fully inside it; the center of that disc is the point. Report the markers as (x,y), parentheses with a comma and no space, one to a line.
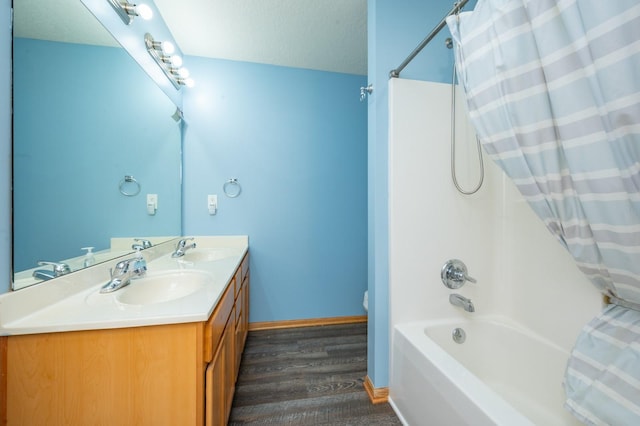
(129,186)
(232,188)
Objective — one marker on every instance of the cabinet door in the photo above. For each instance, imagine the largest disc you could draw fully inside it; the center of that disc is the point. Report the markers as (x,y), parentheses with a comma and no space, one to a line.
(229,347)
(239,342)
(245,310)
(215,407)
(214,327)
(124,376)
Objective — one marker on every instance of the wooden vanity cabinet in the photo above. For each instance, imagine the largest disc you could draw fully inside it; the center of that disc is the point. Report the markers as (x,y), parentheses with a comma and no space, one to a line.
(220,380)
(222,371)
(173,374)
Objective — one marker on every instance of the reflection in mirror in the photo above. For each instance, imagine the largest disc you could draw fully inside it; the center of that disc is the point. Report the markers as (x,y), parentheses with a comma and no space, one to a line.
(85,117)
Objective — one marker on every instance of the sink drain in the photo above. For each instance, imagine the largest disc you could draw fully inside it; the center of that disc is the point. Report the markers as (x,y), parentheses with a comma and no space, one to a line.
(459,335)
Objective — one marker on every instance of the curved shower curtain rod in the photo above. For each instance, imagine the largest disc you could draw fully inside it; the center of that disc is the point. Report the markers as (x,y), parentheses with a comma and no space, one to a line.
(456,8)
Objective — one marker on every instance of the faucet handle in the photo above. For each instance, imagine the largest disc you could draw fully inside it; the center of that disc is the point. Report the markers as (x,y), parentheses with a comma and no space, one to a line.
(122,265)
(145,243)
(182,247)
(183,241)
(135,265)
(454,274)
(59,268)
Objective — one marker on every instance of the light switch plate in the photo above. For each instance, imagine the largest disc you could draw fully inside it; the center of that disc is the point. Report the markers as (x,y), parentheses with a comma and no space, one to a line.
(152,204)
(212,204)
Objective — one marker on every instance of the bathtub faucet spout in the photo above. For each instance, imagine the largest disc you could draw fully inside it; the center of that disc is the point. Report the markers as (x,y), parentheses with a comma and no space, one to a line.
(458,300)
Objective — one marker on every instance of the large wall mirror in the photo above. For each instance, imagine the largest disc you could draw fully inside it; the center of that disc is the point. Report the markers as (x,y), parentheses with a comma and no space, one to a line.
(92,136)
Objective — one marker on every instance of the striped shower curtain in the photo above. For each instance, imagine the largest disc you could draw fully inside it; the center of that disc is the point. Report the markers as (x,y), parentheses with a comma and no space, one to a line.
(553,89)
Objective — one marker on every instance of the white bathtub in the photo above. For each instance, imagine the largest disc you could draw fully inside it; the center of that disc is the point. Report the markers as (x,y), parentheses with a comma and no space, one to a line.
(501,375)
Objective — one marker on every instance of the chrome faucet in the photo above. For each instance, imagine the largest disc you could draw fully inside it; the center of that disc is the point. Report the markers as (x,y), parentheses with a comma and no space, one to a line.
(182,247)
(124,272)
(458,300)
(59,269)
(143,244)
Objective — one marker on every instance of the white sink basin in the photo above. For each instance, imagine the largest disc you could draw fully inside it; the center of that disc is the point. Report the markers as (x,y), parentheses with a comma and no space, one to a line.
(208,255)
(163,287)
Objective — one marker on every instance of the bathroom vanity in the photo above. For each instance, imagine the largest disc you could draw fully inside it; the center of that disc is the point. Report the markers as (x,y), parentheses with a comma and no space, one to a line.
(139,357)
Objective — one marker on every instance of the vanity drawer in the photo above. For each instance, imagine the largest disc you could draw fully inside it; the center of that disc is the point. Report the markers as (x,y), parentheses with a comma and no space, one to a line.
(216,323)
(241,273)
(238,281)
(239,304)
(244,266)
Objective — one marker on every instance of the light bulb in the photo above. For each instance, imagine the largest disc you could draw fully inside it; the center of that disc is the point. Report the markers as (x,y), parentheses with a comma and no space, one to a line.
(168,47)
(183,72)
(144,11)
(189,82)
(176,61)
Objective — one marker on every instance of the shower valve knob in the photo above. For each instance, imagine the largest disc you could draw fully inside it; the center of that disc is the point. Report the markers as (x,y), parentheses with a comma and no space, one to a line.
(454,274)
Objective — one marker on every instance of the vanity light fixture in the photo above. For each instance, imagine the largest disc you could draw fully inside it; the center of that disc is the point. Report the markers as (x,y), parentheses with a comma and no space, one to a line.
(186,82)
(176,61)
(126,11)
(171,65)
(165,47)
(182,75)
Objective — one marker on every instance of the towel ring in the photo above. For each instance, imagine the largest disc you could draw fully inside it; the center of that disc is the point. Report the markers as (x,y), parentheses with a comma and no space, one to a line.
(232,188)
(128,179)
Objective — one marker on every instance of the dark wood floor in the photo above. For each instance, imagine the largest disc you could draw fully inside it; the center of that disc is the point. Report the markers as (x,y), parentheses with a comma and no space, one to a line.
(306,376)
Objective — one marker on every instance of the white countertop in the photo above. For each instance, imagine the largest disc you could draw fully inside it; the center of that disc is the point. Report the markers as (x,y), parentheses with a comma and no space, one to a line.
(74,302)
(120,247)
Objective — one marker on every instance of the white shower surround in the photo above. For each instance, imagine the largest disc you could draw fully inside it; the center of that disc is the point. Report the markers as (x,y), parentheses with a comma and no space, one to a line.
(522,272)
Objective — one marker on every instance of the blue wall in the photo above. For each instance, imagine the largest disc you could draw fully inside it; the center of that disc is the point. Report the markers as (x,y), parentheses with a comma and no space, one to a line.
(5,145)
(297,142)
(85,117)
(395,29)
(249,121)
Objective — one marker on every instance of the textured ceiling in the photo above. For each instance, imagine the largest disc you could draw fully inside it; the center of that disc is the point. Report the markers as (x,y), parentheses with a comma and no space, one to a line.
(327,35)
